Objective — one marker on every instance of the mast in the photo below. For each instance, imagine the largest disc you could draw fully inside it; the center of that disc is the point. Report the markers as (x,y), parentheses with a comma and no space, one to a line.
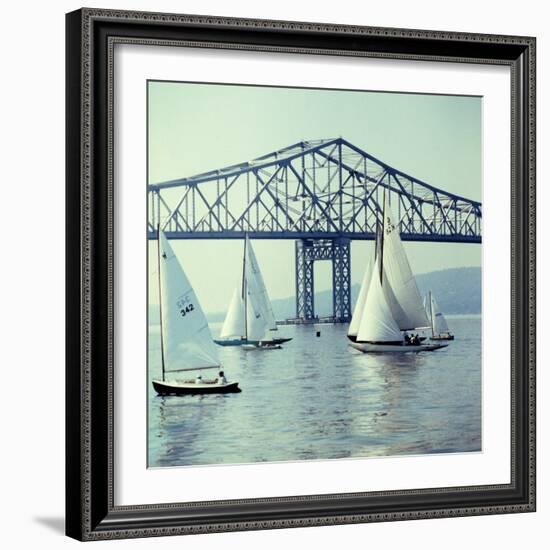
(382,237)
(431,312)
(245,300)
(160,303)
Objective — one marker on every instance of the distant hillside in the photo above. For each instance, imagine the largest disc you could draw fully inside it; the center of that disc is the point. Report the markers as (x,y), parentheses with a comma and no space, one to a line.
(458,291)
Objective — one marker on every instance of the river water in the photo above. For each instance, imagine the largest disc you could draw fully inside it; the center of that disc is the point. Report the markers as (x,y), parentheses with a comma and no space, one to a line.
(319,399)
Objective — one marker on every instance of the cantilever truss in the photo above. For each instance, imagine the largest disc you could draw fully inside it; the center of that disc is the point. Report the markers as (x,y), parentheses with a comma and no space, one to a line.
(312,189)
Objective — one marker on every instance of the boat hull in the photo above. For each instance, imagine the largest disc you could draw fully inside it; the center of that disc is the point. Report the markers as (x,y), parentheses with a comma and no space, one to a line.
(251,347)
(421,338)
(190,388)
(394,348)
(242,342)
(281,340)
(236,342)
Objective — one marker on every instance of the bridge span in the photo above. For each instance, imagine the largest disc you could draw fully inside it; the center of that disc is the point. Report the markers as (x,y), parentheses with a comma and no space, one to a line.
(320,193)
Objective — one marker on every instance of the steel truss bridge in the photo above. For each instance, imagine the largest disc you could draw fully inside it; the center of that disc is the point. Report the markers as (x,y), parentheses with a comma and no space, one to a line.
(322,194)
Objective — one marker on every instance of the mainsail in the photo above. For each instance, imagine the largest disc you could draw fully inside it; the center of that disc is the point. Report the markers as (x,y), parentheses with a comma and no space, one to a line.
(256,325)
(377,323)
(360,304)
(253,273)
(234,324)
(427,306)
(186,340)
(399,284)
(439,323)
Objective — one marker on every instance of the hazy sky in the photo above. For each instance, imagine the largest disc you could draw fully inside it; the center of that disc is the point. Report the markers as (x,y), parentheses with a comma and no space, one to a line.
(198,127)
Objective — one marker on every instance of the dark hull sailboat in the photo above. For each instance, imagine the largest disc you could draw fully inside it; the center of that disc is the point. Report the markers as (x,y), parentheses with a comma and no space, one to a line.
(244,342)
(191,388)
(189,345)
(250,319)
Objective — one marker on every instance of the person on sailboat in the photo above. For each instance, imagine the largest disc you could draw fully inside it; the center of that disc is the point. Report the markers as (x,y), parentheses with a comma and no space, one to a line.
(221,378)
(411,339)
(198,380)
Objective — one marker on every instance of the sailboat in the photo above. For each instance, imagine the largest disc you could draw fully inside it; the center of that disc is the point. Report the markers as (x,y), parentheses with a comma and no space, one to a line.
(250,321)
(440,329)
(389,306)
(185,339)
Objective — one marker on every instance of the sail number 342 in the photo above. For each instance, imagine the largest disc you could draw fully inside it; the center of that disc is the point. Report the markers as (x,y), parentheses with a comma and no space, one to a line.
(185,306)
(187,309)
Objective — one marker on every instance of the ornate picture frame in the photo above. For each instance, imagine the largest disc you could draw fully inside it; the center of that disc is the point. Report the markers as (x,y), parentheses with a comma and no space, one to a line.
(91,511)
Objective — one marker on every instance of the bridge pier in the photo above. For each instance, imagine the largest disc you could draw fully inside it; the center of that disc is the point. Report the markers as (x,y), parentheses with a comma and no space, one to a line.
(308,251)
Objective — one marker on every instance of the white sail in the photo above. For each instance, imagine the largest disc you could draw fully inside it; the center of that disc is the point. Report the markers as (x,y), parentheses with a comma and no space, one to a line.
(234,324)
(186,339)
(256,325)
(399,283)
(377,323)
(439,322)
(253,271)
(360,304)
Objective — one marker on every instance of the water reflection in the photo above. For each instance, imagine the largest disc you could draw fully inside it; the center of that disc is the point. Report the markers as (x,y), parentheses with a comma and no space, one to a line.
(317,398)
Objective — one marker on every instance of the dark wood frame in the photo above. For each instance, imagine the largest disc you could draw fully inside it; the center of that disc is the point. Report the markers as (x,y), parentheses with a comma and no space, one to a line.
(90,510)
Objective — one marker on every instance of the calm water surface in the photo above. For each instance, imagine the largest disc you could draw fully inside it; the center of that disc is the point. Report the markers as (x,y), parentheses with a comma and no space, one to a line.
(319,399)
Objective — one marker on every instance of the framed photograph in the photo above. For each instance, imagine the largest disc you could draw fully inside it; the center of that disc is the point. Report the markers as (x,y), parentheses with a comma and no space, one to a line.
(300,274)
